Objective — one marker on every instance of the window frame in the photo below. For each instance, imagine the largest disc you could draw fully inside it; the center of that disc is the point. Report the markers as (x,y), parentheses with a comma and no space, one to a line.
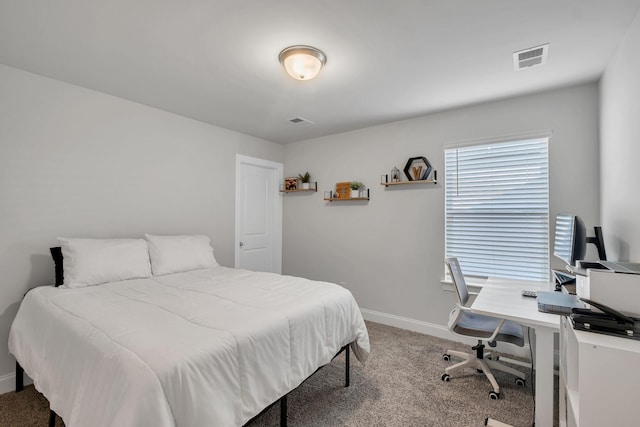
(541,136)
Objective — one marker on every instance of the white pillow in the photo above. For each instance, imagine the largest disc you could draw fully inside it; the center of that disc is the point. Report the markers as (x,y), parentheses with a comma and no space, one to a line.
(172,254)
(90,262)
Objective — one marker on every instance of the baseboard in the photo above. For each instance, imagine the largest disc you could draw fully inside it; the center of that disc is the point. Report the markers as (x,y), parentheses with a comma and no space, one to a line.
(440,331)
(8,382)
(409,324)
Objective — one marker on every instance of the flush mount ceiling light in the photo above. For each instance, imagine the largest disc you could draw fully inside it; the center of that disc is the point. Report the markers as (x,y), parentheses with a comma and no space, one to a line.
(302,62)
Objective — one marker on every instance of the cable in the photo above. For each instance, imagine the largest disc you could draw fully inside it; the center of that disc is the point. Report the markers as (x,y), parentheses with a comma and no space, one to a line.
(533,379)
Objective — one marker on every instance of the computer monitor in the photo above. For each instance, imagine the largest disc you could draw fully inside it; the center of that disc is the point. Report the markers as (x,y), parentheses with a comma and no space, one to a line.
(571,239)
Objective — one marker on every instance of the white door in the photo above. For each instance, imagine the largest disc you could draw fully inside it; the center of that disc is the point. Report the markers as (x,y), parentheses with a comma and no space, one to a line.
(258,214)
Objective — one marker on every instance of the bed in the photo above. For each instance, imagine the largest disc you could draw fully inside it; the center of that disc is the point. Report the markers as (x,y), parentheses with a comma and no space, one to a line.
(207,346)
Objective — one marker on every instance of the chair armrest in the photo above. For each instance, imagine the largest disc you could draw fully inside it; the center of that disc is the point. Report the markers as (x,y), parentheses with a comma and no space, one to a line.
(497,331)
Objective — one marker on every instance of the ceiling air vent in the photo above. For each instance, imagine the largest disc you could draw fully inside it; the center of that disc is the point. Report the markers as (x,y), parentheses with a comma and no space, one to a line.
(531,57)
(300,120)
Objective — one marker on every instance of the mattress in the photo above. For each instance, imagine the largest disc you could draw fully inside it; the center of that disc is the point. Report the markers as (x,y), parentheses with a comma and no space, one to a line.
(206,347)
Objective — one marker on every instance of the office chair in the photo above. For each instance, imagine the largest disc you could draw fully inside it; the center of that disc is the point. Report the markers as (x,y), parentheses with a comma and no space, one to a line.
(484,328)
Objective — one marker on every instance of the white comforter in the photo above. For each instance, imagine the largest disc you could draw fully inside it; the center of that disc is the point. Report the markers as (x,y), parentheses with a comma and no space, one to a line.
(209,347)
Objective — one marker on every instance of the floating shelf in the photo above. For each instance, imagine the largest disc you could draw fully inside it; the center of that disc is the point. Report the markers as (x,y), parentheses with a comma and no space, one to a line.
(312,187)
(419,181)
(422,181)
(328,196)
(346,199)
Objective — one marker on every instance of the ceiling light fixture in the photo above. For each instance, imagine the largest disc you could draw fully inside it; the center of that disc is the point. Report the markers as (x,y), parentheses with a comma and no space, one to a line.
(302,62)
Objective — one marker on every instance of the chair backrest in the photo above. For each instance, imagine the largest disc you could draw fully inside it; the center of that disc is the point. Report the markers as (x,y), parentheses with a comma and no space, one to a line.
(458,280)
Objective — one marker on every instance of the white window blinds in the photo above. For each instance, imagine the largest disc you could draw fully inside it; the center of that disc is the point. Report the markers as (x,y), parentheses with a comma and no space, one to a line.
(497,208)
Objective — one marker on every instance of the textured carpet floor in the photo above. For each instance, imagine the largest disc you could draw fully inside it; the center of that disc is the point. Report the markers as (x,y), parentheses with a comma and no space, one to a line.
(399,386)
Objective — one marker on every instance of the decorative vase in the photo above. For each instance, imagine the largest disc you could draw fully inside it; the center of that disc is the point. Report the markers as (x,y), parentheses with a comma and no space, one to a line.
(355,193)
(306,185)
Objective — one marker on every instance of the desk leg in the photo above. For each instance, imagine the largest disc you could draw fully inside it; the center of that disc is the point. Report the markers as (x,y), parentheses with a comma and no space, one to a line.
(544,377)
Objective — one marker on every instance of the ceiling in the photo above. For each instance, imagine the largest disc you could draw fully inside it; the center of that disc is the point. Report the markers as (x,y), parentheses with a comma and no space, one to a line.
(217,60)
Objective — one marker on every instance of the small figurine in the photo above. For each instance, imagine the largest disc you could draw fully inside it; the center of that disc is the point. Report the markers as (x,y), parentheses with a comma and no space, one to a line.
(395,175)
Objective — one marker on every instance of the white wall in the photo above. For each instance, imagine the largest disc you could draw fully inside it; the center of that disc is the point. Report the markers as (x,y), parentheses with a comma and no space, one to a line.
(389,251)
(620,149)
(74,162)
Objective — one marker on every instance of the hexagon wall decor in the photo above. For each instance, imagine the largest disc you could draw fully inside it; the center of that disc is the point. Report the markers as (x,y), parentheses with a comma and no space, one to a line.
(417,168)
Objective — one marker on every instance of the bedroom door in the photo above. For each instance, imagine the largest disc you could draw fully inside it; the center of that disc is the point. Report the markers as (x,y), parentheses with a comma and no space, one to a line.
(258,214)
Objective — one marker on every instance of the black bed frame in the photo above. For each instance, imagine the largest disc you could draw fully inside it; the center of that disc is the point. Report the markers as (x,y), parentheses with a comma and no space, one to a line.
(282,400)
(56,254)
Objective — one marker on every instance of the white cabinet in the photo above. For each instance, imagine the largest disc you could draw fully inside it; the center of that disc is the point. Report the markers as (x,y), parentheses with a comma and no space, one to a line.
(599,379)
(600,374)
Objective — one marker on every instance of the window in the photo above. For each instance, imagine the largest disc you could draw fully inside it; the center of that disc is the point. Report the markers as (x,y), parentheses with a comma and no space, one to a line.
(497,208)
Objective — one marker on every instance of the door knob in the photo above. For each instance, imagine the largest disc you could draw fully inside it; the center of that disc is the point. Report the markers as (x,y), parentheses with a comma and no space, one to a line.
(241,244)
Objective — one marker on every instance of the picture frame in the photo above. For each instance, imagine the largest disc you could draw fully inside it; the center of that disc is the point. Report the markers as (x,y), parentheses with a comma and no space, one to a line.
(291,183)
(343,190)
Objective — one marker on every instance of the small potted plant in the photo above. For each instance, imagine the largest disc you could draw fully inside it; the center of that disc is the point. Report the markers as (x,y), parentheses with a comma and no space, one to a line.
(355,188)
(305,180)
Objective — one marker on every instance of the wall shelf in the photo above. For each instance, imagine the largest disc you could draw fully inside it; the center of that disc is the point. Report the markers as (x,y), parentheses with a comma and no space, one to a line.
(384,180)
(422,181)
(313,187)
(345,199)
(329,197)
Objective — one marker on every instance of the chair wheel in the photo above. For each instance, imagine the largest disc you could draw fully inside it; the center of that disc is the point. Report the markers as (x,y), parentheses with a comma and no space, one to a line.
(493,395)
(520,382)
(446,378)
(446,357)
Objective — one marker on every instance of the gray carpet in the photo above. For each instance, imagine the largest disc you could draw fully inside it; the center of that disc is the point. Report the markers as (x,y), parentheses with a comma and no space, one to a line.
(399,386)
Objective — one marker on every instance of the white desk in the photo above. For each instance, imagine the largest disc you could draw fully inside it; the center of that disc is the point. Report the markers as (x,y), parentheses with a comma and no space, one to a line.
(502,298)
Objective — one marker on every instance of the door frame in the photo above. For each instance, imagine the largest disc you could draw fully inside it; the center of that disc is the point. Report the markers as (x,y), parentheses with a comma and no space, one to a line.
(277,170)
